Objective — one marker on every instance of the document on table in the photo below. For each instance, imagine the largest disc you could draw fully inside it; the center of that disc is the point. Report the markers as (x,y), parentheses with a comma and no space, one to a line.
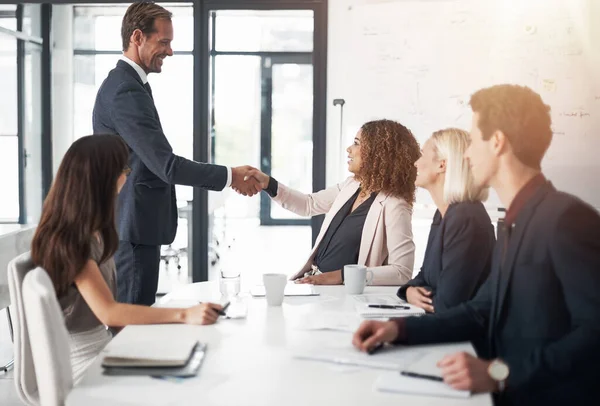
(424,364)
(330,320)
(378,299)
(364,310)
(390,358)
(396,383)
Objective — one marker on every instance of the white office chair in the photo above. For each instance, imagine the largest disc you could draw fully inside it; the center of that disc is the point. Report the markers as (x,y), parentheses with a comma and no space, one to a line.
(49,339)
(25,382)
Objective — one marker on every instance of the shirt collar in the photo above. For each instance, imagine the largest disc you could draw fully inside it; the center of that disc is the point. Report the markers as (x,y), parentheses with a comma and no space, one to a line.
(138,69)
(522,197)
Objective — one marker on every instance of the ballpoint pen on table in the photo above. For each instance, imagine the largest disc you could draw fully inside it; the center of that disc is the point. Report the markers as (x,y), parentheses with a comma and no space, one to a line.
(384,306)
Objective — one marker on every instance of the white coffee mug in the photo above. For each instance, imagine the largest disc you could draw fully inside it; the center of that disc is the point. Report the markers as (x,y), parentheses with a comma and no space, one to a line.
(355,278)
(274,288)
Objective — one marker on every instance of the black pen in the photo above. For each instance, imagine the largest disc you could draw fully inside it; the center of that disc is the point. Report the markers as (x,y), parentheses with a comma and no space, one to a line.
(422,376)
(384,306)
(374,349)
(222,312)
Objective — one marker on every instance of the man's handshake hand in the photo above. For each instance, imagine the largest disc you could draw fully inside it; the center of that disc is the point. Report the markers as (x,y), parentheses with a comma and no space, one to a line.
(243,182)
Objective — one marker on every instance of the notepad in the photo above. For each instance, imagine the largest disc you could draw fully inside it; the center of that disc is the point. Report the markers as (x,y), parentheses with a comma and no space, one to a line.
(191,367)
(367,312)
(426,364)
(396,383)
(137,346)
(291,289)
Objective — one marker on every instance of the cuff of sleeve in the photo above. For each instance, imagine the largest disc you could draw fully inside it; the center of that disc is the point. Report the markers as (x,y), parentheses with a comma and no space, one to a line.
(401,323)
(273,187)
(402,292)
(228,177)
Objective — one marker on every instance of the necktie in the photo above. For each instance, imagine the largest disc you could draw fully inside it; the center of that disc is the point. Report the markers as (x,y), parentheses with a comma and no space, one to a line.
(149,89)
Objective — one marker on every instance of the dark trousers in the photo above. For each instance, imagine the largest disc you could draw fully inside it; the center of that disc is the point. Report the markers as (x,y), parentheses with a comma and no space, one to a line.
(137,273)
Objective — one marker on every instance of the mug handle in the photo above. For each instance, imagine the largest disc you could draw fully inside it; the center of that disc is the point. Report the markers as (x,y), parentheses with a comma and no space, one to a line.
(369,277)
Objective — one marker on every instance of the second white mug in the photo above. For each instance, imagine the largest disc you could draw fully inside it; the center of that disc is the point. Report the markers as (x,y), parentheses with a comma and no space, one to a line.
(356,277)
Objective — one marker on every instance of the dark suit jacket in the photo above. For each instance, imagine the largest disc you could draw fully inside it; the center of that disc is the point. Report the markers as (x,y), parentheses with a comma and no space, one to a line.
(147,209)
(540,310)
(458,256)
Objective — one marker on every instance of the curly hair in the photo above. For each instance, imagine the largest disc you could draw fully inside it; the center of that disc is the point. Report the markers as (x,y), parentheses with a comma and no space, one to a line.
(520,114)
(388,152)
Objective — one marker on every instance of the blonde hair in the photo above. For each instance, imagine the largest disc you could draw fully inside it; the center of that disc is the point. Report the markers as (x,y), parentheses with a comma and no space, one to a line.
(450,145)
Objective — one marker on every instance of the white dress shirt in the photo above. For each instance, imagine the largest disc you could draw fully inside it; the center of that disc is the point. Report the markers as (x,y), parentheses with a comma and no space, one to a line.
(144,77)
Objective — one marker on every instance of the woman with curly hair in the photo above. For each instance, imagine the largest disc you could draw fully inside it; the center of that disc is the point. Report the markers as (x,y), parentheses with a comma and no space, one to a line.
(368,216)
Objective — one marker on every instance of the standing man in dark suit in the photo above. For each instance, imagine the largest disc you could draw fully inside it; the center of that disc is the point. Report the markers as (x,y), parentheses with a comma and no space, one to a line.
(540,308)
(147,210)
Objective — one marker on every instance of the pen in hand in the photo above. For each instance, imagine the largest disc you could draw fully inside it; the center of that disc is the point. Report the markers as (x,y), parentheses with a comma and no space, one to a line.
(222,311)
(374,349)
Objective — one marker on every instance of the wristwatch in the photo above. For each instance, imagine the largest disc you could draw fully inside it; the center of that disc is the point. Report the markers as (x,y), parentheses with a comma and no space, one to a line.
(499,371)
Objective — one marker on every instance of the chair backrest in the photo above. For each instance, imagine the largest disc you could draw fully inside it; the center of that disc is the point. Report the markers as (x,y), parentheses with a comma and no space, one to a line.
(25,382)
(49,338)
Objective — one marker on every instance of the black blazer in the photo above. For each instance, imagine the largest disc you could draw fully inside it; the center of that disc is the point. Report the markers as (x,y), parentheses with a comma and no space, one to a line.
(147,209)
(458,256)
(540,310)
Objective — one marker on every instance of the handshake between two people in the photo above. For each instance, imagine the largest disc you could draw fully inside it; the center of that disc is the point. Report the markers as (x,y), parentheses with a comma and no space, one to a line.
(248,181)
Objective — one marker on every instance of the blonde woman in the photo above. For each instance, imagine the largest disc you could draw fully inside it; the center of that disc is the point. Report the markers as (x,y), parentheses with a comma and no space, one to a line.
(461,240)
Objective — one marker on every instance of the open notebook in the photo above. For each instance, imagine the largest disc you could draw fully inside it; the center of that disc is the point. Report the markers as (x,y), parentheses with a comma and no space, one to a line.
(136,346)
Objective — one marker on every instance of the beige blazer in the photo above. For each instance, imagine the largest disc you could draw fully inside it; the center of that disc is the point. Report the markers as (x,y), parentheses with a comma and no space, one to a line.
(386,245)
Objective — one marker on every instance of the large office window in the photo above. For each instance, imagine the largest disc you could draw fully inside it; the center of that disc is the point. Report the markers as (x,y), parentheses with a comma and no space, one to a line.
(9,120)
(97,49)
(20,113)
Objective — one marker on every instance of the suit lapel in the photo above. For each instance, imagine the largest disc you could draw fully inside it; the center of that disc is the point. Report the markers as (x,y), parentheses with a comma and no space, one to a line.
(129,69)
(514,244)
(371,222)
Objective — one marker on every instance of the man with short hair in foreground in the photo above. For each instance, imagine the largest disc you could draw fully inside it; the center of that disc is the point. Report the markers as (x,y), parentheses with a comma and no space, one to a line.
(539,310)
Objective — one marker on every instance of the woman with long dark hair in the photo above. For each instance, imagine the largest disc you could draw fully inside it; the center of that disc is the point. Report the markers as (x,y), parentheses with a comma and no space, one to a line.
(75,242)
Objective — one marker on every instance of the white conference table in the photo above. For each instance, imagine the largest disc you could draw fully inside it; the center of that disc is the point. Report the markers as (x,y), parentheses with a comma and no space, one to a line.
(249,361)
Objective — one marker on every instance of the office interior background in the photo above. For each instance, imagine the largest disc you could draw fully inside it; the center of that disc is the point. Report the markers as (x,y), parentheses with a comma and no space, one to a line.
(253,82)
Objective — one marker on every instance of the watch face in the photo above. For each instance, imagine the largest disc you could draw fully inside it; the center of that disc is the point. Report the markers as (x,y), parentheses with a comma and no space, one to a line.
(498,370)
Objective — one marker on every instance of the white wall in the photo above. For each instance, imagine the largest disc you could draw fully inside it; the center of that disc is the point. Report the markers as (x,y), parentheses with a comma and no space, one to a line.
(418,62)
(62,82)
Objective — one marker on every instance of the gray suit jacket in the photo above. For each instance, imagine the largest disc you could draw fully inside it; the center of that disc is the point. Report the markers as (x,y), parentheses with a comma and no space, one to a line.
(147,210)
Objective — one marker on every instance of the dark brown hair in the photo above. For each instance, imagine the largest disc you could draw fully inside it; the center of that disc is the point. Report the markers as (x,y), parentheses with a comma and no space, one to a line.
(520,114)
(81,203)
(388,152)
(141,16)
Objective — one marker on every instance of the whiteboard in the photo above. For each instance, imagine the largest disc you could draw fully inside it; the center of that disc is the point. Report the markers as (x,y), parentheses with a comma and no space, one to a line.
(419,61)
